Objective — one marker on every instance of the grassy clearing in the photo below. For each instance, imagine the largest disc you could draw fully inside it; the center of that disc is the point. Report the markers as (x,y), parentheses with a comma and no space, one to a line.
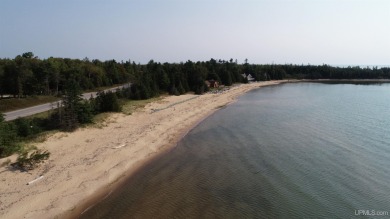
(100,120)
(11,104)
(42,115)
(131,106)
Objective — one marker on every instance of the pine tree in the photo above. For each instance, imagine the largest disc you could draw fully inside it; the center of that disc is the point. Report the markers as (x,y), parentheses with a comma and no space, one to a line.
(70,106)
(107,102)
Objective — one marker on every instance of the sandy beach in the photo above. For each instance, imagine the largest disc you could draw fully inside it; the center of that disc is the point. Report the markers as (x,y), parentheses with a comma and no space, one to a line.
(94,160)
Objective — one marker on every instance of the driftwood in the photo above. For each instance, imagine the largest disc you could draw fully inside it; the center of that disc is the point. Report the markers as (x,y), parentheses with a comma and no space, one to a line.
(35,180)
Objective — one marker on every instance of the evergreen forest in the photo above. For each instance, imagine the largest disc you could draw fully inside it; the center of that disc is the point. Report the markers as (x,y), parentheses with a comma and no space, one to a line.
(27,75)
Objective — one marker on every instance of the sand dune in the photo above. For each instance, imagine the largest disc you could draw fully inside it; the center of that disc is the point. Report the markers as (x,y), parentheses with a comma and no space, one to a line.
(92,160)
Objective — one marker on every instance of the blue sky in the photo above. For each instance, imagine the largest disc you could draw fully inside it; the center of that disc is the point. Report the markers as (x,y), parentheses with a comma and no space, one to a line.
(336,32)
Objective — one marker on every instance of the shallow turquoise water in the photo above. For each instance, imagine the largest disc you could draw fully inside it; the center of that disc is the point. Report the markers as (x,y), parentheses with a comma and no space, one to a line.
(304,150)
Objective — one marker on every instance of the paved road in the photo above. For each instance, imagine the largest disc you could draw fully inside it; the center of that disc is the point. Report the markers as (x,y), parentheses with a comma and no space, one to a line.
(48,106)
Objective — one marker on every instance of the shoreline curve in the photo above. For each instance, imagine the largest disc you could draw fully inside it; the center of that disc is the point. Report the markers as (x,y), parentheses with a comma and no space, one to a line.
(87,165)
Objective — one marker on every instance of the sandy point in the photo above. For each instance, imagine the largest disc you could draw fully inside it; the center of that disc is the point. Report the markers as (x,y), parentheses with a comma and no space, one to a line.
(91,161)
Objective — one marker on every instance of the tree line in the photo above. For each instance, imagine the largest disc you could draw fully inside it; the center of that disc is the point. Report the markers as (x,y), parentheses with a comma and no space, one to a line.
(26,74)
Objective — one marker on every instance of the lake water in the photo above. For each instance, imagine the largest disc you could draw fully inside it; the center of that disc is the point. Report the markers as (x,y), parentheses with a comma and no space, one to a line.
(303,150)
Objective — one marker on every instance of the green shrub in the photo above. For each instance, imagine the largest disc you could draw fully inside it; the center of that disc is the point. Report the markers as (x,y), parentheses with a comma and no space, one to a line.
(22,127)
(8,139)
(107,102)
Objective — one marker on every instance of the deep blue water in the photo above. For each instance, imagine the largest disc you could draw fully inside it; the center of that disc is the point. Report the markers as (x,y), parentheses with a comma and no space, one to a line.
(303,150)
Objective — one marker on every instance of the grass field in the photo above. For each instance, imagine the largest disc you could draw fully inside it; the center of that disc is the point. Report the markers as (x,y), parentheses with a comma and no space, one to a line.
(10,104)
(129,106)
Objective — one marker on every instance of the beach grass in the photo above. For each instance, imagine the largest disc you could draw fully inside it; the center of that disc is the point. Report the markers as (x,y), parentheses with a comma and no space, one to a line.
(131,106)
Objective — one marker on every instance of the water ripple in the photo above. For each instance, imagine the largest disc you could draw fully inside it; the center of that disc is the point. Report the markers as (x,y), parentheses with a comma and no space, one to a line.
(290,151)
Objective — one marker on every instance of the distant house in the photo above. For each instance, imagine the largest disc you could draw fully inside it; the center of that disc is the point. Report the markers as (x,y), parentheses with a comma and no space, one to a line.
(248,77)
(212,83)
